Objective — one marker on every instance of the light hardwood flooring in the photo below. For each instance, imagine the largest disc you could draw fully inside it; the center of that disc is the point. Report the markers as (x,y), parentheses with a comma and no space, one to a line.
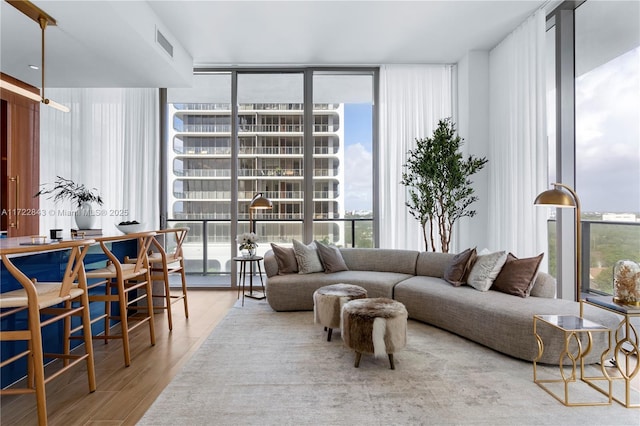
(123,395)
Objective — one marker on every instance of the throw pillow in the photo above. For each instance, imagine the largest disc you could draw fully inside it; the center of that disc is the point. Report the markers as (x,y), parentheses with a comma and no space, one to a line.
(518,275)
(486,269)
(457,271)
(307,258)
(331,258)
(286,259)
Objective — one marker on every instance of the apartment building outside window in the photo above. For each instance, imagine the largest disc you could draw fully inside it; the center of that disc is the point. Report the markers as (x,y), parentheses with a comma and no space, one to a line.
(219,155)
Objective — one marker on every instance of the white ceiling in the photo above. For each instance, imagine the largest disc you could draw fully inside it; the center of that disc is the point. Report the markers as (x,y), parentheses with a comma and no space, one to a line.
(112,43)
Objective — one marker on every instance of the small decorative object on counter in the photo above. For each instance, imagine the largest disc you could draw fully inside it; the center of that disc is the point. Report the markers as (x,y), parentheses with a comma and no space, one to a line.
(626,282)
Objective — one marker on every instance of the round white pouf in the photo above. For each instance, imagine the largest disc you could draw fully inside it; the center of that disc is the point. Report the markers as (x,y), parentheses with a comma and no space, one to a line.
(328,302)
(374,326)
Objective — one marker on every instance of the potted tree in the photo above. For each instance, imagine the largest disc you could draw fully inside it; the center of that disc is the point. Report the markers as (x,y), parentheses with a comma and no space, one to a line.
(63,189)
(437,177)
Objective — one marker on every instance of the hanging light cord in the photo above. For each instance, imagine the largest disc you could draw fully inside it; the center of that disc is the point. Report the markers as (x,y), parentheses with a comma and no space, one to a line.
(43,25)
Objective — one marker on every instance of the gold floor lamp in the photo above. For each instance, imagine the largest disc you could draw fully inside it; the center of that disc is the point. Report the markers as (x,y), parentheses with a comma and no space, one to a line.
(258,202)
(564,197)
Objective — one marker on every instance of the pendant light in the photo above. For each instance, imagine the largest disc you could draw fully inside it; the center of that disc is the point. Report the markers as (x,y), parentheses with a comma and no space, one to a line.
(43,19)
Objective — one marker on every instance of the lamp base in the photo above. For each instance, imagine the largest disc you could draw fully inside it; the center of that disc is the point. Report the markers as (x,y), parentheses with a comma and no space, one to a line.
(259,295)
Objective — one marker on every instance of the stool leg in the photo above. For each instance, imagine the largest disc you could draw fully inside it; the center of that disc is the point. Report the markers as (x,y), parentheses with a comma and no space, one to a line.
(358,356)
(393,367)
(329,335)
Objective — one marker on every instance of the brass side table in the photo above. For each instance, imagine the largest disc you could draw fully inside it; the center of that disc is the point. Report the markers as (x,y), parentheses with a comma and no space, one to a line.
(243,261)
(572,326)
(626,352)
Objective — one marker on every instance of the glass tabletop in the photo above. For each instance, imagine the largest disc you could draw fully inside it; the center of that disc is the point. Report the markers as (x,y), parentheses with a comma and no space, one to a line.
(571,322)
(607,302)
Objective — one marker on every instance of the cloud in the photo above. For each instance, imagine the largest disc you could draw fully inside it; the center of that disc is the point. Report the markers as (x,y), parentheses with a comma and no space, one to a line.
(358,176)
(608,136)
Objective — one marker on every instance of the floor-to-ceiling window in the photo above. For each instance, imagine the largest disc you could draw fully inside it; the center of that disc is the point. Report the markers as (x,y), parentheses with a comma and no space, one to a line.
(342,156)
(236,133)
(605,38)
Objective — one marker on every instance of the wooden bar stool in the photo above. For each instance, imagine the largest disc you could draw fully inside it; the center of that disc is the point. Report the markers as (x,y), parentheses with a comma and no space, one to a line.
(126,279)
(165,260)
(46,303)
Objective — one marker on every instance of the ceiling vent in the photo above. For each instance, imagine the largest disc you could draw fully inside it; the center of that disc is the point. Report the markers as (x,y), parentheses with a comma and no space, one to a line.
(164,43)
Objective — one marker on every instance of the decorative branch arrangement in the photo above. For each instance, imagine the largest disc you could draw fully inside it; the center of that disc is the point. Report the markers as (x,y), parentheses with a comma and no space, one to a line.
(63,189)
(437,178)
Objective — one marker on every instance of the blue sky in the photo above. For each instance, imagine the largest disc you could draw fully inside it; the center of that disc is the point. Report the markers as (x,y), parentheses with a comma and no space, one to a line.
(358,156)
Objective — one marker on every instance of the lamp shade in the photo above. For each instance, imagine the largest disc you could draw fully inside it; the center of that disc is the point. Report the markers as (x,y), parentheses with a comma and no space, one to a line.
(260,202)
(555,197)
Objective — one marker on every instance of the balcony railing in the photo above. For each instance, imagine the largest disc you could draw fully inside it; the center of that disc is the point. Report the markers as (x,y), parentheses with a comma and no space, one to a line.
(203,172)
(205,128)
(271,150)
(603,244)
(203,150)
(202,107)
(251,107)
(203,238)
(270,172)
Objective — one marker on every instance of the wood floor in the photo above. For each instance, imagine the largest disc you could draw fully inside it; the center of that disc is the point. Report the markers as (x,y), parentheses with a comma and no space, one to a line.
(124,394)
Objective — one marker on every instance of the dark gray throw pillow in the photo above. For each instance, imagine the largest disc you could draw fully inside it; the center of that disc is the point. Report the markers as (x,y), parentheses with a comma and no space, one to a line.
(331,258)
(286,259)
(457,271)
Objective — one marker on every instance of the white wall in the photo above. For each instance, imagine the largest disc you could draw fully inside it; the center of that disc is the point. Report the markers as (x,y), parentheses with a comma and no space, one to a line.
(473,126)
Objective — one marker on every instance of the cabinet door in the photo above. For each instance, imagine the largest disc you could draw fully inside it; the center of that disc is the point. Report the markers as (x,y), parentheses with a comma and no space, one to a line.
(23,166)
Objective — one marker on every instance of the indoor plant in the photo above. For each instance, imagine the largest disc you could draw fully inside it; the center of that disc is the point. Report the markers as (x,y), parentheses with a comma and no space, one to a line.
(437,178)
(80,195)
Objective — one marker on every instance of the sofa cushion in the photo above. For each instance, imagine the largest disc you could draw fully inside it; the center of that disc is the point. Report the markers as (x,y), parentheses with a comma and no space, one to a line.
(517,275)
(544,286)
(294,292)
(433,264)
(307,258)
(457,271)
(331,258)
(286,258)
(485,270)
(380,260)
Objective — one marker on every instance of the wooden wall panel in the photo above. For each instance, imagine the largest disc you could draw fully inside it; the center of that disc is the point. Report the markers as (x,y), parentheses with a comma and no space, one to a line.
(21,179)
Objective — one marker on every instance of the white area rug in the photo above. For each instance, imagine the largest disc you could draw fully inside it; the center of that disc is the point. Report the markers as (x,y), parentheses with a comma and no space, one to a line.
(265,368)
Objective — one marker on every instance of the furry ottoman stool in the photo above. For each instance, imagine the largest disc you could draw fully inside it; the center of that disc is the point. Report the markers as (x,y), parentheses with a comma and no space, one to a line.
(377,326)
(328,302)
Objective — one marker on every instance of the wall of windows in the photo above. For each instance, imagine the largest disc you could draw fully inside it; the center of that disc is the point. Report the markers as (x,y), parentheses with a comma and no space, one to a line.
(594,134)
(238,133)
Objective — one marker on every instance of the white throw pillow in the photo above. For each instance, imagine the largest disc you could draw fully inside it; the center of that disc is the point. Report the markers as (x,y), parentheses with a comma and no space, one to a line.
(307,258)
(485,270)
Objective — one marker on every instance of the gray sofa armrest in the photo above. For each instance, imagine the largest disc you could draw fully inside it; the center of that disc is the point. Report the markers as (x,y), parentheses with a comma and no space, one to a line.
(545,286)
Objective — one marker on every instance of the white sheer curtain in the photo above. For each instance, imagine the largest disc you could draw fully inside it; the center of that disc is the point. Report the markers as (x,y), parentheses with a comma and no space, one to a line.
(518,145)
(109,141)
(412,100)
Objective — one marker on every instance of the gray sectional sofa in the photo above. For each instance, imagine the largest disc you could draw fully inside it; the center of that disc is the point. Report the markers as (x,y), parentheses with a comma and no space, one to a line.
(497,320)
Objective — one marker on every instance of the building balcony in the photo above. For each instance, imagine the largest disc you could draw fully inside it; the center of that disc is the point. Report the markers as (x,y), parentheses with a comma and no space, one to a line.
(204,128)
(203,173)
